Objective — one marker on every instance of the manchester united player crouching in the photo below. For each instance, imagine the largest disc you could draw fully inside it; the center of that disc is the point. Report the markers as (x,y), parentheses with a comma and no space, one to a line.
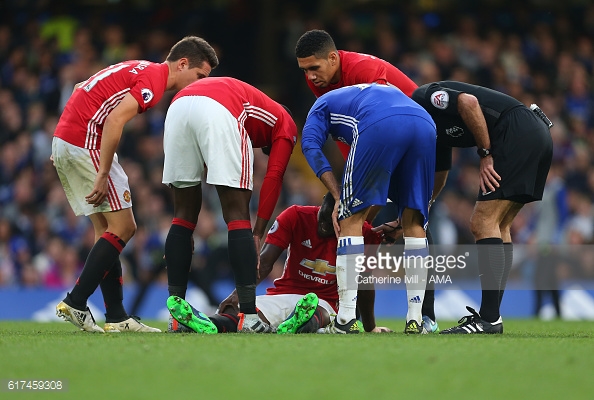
(304,299)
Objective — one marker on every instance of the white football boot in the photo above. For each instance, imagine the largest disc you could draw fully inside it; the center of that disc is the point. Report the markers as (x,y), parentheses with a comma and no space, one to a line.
(81,319)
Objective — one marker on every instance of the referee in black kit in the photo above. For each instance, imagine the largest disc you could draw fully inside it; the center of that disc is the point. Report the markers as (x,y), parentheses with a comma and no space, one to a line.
(515,149)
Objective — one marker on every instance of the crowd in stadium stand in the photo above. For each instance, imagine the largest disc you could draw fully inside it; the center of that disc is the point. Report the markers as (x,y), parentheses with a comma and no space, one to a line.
(535,56)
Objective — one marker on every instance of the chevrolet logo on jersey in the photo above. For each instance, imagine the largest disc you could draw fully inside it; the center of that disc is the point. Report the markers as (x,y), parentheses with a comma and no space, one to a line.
(319,266)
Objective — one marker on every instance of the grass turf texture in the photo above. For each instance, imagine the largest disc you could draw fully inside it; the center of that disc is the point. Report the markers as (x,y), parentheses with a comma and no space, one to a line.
(532,359)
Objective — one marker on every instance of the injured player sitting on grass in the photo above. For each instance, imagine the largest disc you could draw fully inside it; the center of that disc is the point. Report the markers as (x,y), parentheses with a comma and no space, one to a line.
(304,299)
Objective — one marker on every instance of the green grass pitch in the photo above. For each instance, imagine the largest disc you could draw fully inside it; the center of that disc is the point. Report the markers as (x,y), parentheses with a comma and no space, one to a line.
(532,360)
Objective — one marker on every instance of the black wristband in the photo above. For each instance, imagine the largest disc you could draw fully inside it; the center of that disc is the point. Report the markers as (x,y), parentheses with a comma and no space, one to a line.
(483,152)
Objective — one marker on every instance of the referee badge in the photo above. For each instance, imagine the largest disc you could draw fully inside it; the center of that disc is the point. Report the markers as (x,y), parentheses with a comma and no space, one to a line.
(440,99)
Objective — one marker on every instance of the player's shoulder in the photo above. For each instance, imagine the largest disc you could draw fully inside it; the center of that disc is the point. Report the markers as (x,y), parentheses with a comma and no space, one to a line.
(296,211)
(351,59)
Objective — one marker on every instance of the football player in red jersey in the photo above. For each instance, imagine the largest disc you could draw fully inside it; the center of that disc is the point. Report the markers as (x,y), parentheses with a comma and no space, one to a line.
(83,151)
(326,69)
(215,123)
(304,299)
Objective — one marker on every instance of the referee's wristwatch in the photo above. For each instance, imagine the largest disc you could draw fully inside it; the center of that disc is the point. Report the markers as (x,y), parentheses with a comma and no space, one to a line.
(483,152)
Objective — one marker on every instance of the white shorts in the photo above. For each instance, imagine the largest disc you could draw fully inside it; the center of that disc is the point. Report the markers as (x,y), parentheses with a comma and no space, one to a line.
(277,307)
(201,132)
(77,169)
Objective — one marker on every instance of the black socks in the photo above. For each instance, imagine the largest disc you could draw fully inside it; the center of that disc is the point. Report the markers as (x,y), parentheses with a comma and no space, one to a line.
(244,261)
(178,256)
(100,261)
(491,261)
(113,294)
(225,323)
(508,251)
(428,307)
(314,323)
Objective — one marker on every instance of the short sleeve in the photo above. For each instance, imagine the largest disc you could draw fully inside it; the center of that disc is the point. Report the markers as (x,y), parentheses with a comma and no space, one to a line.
(149,87)
(281,231)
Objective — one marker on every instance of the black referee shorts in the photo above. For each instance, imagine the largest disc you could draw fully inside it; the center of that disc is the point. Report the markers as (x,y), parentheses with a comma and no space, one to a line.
(522,153)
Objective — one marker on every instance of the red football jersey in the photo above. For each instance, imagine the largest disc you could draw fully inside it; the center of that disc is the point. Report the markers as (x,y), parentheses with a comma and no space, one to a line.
(266,122)
(81,123)
(364,68)
(311,259)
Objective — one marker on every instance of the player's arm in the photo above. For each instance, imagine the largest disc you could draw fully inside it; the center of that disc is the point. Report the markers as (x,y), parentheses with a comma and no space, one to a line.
(472,115)
(314,135)
(440,180)
(443,164)
(112,133)
(268,256)
(280,153)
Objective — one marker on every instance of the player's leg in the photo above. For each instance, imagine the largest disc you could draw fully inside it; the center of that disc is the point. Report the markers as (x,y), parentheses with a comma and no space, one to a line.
(365,183)
(242,254)
(187,202)
(484,224)
(117,233)
(186,319)
(411,187)
(111,284)
(299,321)
(183,168)
(105,251)
(415,252)
(113,223)
(294,313)
(350,246)
(428,308)
(508,247)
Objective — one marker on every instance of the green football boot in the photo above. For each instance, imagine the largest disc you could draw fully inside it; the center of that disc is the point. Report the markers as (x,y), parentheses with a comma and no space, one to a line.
(186,315)
(304,310)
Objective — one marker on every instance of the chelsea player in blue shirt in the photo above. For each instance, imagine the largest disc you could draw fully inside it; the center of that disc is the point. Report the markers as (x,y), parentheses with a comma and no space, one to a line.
(392,156)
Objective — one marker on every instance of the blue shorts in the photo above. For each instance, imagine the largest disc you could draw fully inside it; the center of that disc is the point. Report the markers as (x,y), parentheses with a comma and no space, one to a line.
(393,158)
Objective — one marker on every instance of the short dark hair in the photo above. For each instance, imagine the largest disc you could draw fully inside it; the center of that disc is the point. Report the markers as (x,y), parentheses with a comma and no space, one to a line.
(327,206)
(196,50)
(316,43)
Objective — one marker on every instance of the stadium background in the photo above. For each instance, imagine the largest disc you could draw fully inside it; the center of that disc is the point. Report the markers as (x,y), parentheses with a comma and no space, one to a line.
(537,51)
